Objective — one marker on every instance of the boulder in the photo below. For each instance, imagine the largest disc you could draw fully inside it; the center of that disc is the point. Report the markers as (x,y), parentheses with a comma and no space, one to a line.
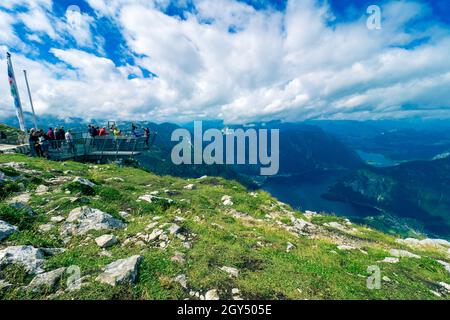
(57,219)
(83,219)
(47,280)
(121,271)
(189,187)
(29,257)
(6,230)
(106,240)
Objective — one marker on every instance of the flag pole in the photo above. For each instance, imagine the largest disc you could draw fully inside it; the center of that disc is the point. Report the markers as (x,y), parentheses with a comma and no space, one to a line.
(31,100)
(15,93)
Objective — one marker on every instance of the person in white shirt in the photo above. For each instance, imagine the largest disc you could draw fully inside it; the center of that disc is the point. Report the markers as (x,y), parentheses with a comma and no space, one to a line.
(69,140)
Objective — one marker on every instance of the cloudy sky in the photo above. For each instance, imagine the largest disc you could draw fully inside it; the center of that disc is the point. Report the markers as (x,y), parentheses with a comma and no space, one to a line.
(240,61)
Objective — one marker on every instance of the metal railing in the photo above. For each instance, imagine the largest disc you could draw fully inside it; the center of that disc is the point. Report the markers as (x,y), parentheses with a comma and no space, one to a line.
(84,145)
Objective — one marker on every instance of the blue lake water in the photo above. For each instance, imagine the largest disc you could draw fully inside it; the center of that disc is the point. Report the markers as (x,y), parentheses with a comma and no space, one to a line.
(305,193)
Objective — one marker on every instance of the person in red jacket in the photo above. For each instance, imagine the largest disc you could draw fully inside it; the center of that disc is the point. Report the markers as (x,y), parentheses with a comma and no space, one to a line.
(102,132)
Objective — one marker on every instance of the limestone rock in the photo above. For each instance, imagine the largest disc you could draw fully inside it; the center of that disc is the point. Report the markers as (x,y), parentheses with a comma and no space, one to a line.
(86,182)
(226,201)
(403,254)
(344,247)
(174,228)
(41,189)
(182,280)
(57,219)
(46,280)
(121,271)
(289,247)
(179,257)
(106,240)
(6,230)
(390,260)
(445,264)
(4,285)
(151,198)
(83,219)
(212,295)
(28,256)
(230,270)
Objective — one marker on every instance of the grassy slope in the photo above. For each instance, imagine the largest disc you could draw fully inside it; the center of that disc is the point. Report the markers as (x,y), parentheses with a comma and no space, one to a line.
(314,269)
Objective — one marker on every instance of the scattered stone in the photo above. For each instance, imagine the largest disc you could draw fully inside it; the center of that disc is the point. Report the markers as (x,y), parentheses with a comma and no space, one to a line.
(174,228)
(231,271)
(446,286)
(105,253)
(182,280)
(124,214)
(309,214)
(226,201)
(83,219)
(189,187)
(236,293)
(212,295)
(47,280)
(403,254)
(187,245)
(390,260)
(445,264)
(86,182)
(121,271)
(344,247)
(118,179)
(289,247)
(106,241)
(150,198)
(29,257)
(179,257)
(424,242)
(57,219)
(386,279)
(46,227)
(340,227)
(154,235)
(6,230)
(151,226)
(4,285)
(23,198)
(40,190)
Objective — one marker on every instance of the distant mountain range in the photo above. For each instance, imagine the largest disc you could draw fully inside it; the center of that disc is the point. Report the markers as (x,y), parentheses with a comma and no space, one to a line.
(416,193)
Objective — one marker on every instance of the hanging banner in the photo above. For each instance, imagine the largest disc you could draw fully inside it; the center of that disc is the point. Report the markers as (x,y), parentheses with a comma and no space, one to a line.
(15,93)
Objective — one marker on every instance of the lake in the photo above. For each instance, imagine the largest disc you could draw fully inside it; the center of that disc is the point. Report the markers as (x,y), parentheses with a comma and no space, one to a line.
(305,193)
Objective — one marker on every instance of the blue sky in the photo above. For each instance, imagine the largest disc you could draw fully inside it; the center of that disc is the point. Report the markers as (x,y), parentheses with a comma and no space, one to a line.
(235,60)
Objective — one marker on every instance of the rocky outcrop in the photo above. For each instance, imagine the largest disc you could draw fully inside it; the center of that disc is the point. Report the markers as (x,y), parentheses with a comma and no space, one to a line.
(47,280)
(6,230)
(121,271)
(29,257)
(83,219)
